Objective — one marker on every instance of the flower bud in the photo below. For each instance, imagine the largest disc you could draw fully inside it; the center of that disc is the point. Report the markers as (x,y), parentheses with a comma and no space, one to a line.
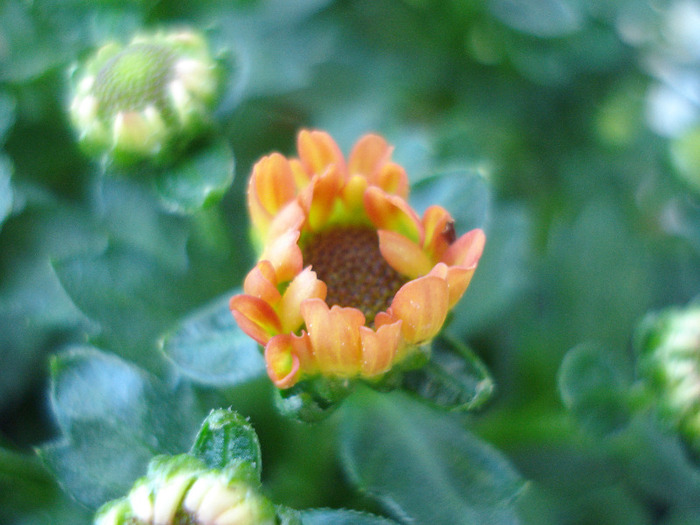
(181,490)
(351,283)
(142,100)
(669,346)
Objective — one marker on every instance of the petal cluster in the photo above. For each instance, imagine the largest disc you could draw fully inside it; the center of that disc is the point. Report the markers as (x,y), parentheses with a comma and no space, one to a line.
(181,490)
(284,308)
(133,101)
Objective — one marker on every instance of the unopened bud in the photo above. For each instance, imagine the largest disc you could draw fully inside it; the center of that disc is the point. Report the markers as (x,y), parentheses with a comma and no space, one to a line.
(142,100)
(181,490)
(669,346)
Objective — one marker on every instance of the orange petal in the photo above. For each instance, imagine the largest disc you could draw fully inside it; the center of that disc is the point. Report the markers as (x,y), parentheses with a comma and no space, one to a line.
(285,255)
(318,151)
(383,318)
(299,173)
(304,286)
(261,282)
(319,198)
(285,356)
(422,306)
(260,219)
(457,277)
(255,317)
(335,336)
(379,348)
(271,183)
(392,178)
(291,217)
(466,251)
(439,231)
(403,255)
(368,155)
(353,194)
(389,212)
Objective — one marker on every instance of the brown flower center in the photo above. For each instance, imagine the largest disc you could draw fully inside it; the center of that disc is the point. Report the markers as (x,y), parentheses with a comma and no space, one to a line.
(348,260)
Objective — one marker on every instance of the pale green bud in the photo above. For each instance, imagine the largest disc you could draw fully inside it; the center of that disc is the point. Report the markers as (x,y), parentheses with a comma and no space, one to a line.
(143,100)
(180,490)
(669,346)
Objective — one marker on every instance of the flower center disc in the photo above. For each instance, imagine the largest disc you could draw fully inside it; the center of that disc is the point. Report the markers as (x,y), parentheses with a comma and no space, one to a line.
(348,260)
(135,78)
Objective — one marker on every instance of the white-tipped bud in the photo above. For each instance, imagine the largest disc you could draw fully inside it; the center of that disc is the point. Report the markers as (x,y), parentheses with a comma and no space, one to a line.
(669,348)
(141,501)
(143,100)
(169,499)
(181,488)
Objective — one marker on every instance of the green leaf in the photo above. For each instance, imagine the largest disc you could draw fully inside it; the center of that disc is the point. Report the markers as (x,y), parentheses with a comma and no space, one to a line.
(600,270)
(463,193)
(594,386)
(132,297)
(454,377)
(26,475)
(687,222)
(682,517)
(210,348)
(131,214)
(266,33)
(341,517)
(422,465)
(226,437)
(198,180)
(5,188)
(35,311)
(29,49)
(48,34)
(542,18)
(647,453)
(114,418)
(7,114)
(503,272)
(28,492)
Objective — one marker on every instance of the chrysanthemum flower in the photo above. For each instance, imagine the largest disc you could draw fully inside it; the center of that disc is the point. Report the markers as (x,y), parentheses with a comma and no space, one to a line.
(351,281)
(134,102)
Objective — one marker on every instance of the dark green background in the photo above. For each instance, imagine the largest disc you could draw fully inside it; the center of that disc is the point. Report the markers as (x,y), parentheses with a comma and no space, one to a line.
(530,119)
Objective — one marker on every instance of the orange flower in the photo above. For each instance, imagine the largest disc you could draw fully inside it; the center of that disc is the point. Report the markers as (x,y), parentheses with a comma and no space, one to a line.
(351,281)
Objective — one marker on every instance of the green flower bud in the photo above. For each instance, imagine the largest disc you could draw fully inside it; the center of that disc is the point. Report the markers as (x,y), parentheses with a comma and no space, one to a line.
(180,490)
(669,359)
(143,100)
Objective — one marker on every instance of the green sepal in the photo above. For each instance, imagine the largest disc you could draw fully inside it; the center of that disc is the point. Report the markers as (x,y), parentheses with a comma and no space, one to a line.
(314,399)
(165,467)
(453,377)
(225,438)
(198,179)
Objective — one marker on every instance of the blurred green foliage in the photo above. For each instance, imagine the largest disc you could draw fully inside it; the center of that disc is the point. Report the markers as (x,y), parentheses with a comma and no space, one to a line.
(567,129)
